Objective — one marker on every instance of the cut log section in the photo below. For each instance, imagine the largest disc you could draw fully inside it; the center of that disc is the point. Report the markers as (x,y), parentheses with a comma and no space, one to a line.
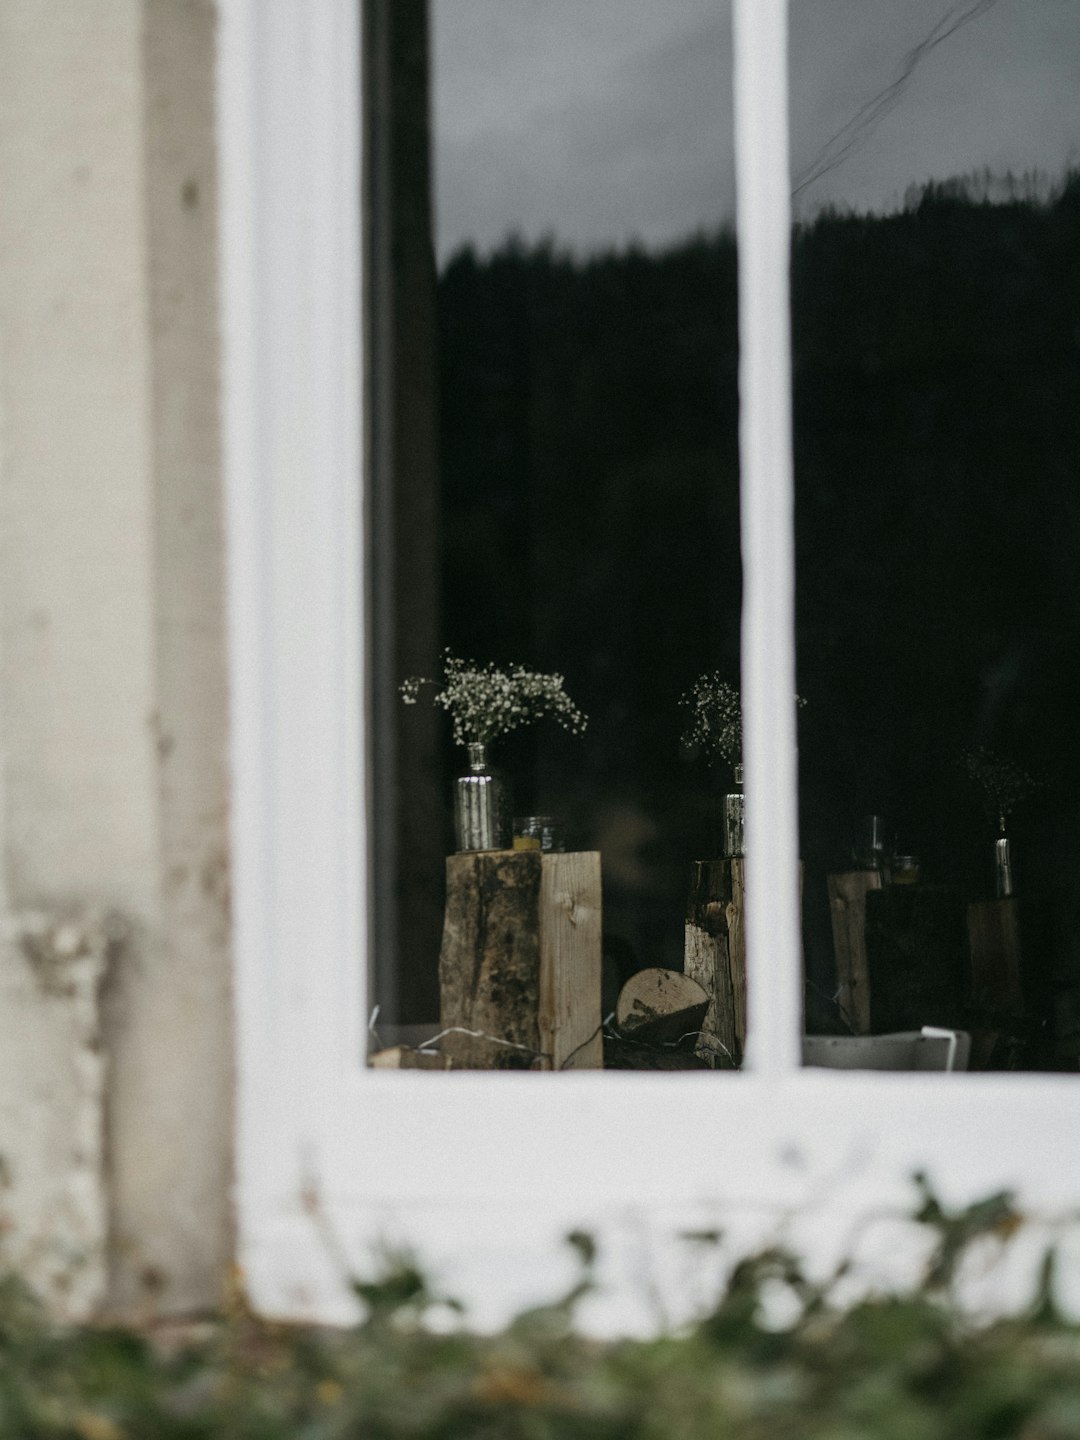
(404,1057)
(519,969)
(715,956)
(847,908)
(661,1008)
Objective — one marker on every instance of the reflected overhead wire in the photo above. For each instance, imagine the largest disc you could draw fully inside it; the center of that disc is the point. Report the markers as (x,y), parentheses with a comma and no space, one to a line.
(856,130)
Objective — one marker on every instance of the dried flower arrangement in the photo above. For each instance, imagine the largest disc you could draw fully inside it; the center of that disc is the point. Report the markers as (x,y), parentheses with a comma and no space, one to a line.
(486,703)
(716,725)
(1003,783)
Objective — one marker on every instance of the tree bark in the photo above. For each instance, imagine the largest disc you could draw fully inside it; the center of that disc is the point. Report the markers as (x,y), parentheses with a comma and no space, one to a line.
(520,961)
(715,955)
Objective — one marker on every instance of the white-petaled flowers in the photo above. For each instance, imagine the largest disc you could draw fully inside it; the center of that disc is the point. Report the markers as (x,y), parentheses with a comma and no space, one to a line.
(486,703)
(1003,783)
(715,728)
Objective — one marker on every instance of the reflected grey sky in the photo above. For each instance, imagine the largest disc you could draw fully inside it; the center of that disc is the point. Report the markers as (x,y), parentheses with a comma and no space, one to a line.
(602,121)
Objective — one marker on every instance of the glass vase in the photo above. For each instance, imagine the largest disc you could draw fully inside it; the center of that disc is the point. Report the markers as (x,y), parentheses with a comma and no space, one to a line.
(482,809)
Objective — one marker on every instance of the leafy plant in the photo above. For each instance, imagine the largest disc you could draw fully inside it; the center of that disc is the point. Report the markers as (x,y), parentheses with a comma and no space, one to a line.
(780,1354)
(485,702)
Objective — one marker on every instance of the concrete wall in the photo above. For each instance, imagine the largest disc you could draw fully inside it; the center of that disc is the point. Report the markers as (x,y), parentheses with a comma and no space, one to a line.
(112,668)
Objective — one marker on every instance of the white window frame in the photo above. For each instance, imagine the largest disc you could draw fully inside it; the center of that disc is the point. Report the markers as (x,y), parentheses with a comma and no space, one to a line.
(330,1154)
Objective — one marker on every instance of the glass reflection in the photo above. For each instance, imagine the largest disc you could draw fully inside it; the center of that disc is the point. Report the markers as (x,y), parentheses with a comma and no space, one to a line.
(936,313)
(555,441)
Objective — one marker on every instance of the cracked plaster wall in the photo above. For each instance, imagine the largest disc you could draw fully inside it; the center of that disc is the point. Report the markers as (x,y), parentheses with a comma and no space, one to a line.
(116,1082)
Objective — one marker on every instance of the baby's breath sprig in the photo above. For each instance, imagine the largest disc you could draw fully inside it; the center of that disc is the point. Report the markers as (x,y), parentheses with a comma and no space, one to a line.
(716,724)
(1003,783)
(485,702)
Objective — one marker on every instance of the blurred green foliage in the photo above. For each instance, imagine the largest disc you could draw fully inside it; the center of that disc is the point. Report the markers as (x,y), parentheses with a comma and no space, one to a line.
(910,1364)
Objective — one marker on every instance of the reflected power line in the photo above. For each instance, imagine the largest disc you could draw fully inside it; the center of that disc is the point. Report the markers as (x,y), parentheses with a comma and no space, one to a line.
(866,119)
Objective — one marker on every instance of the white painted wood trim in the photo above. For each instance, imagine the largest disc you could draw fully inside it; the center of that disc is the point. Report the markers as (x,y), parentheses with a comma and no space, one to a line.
(485,1170)
(289,126)
(774,985)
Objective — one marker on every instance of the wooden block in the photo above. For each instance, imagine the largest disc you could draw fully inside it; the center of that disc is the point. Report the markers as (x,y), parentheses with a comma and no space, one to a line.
(917,956)
(847,907)
(661,1008)
(714,952)
(570,945)
(520,960)
(994,941)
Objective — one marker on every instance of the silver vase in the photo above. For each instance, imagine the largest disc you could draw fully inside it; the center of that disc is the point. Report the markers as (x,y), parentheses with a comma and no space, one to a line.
(734,841)
(1003,872)
(482,809)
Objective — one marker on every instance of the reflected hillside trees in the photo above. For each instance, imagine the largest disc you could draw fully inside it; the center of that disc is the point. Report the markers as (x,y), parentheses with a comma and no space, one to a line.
(589,477)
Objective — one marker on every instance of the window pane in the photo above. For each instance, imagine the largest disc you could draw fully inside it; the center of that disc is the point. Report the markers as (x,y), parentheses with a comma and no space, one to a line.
(554,438)
(936,331)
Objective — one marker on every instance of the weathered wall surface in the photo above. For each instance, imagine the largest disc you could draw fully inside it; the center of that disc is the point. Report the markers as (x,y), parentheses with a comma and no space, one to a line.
(52,1099)
(112,673)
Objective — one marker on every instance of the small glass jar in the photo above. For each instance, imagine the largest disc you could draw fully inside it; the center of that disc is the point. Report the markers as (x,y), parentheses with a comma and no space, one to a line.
(538,832)
(905,870)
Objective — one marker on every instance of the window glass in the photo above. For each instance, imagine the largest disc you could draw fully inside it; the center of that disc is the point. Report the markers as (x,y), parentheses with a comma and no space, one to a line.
(936,319)
(554,441)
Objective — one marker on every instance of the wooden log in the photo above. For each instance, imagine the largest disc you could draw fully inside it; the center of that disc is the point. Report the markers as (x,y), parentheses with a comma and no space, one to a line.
(994,942)
(661,1008)
(489,963)
(847,907)
(715,953)
(520,960)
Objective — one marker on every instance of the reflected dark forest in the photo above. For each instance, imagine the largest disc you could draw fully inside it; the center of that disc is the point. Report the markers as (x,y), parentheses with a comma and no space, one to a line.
(589,472)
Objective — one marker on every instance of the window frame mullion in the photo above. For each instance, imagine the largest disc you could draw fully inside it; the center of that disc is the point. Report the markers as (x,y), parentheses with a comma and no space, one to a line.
(763,228)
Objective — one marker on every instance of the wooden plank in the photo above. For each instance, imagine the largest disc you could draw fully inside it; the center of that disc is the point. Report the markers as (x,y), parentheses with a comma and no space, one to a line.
(996,961)
(570,921)
(847,907)
(714,954)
